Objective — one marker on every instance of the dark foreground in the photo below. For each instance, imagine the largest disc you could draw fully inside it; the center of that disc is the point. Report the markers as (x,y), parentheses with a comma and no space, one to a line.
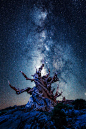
(64,116)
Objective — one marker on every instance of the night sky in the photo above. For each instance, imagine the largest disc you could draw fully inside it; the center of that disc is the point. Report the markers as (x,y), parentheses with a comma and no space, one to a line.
(33,30)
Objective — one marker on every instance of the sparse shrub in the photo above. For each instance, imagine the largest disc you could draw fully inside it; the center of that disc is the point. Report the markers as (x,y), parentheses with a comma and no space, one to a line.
(79,104)
(58,116)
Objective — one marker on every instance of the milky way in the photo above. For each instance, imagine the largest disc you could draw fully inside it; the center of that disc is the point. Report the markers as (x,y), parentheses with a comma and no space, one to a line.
(53,31)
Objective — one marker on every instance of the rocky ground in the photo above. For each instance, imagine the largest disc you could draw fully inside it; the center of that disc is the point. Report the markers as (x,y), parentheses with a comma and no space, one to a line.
(62,117)
(22,118)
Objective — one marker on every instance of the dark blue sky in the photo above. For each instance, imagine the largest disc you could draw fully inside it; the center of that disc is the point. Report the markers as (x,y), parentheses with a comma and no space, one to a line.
(33,30)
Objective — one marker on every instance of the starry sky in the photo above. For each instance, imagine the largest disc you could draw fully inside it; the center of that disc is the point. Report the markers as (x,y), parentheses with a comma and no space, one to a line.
(36,30)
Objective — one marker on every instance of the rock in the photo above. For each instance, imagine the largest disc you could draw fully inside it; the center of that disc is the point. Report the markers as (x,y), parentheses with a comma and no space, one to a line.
(4,118)
(81,122)
(26,120)
(34,119)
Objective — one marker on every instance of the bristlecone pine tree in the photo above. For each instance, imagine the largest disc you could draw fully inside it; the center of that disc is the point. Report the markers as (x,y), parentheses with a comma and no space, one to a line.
(42,96)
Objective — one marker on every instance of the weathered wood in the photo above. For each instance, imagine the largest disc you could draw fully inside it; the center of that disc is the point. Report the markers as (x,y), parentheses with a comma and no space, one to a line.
(42,90)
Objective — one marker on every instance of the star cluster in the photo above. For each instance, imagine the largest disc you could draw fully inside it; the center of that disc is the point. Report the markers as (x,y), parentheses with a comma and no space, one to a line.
(33,31)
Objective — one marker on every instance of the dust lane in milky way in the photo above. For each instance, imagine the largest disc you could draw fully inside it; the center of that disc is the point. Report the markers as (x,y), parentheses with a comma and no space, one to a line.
(53,31)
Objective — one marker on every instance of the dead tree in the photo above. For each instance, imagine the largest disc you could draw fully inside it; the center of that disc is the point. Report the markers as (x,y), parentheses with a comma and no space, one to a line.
(42,90)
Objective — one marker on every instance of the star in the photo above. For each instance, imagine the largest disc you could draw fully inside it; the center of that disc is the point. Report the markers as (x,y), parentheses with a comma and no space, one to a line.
(53,31)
